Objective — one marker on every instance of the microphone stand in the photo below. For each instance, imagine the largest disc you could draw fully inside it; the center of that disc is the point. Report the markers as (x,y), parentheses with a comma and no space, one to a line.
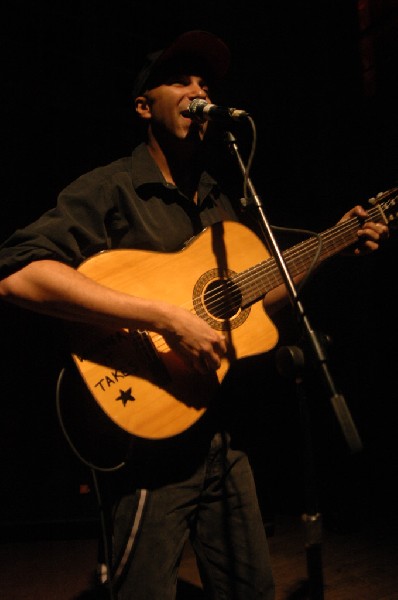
(290,363)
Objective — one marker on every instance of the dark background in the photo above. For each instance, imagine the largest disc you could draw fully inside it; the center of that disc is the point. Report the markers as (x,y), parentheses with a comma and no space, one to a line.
(319,79)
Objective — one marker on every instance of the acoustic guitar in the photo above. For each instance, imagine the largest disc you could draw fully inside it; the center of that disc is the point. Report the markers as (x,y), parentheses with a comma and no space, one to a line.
(222,276)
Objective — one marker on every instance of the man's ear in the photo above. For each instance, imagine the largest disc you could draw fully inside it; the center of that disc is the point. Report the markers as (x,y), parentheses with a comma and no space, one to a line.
(142,107)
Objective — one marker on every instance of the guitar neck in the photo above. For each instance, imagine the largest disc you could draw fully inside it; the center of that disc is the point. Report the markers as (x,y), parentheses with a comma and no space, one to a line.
(266,276)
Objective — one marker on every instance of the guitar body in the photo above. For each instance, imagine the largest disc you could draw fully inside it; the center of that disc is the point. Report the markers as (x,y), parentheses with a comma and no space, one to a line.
(137,380)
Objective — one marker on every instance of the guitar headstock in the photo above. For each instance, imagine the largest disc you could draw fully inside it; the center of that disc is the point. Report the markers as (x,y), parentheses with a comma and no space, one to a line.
(387,203)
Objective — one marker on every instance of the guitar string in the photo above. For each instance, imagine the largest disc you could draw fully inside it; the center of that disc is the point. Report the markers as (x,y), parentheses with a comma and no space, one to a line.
(336,232)
(250,277)
(269,265)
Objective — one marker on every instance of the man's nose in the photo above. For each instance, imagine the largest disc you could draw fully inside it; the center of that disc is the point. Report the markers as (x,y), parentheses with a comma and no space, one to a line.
(197,91)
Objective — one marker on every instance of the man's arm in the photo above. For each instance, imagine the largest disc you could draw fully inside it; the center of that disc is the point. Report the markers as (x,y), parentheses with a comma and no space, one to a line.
(57,290)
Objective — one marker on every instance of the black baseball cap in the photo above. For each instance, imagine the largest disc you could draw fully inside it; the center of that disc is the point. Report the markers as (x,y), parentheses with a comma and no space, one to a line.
(190,49)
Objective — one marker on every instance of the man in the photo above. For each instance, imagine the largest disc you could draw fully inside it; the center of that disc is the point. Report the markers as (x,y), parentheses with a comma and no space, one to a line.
(197,483)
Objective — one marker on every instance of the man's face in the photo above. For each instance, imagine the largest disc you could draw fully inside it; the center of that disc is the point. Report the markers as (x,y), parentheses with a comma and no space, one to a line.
(167,101)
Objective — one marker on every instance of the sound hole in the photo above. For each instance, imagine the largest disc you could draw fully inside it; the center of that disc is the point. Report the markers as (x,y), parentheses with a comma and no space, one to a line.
(218,300)
(222,299)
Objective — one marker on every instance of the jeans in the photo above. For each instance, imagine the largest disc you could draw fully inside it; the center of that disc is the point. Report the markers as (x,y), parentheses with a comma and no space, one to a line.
(214,505)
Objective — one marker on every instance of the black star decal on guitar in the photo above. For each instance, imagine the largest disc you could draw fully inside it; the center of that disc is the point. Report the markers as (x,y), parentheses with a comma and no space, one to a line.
(125,396)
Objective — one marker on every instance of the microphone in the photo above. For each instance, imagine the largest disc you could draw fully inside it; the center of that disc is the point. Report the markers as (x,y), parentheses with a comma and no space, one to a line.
(202,111)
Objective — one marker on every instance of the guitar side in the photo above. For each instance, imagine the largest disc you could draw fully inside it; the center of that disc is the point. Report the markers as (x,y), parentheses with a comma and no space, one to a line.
(140,383)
